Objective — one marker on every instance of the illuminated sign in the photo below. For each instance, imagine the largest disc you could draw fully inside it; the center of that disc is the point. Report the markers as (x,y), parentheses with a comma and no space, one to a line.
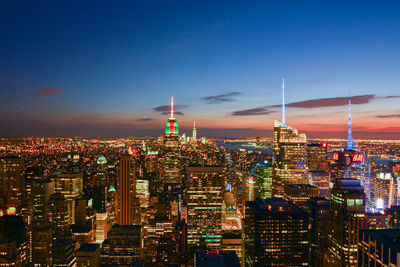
(335,156)
(358,157)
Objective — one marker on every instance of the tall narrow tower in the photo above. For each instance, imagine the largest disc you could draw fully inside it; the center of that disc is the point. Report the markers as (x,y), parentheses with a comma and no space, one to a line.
(194,131)
(290,154)
(283,102)
(126,190)
(350,141)
(171,149)
(172,124)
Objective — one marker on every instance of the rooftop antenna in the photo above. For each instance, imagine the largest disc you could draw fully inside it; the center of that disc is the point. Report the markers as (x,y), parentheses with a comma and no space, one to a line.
(283,102)
(172,107)
(350,141)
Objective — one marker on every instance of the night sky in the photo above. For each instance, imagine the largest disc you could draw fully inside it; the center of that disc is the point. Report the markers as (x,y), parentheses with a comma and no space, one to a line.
(109,68)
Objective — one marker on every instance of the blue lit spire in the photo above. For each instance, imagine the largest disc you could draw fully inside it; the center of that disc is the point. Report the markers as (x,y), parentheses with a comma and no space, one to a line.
(350,141)
(283,102)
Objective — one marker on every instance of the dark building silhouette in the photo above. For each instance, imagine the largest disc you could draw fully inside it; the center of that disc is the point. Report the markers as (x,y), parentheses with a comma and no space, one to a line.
(276,233)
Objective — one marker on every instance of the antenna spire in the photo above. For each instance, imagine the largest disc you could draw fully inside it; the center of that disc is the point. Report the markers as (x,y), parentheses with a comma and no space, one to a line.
(350,141)
(283,102)
(172,107)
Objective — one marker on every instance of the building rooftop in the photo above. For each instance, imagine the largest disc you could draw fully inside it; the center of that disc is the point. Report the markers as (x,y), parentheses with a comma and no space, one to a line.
(219,258)
(276,206)
(89,247)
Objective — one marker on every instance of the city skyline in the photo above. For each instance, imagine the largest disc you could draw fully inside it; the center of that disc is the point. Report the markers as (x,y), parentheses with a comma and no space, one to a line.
(109,70)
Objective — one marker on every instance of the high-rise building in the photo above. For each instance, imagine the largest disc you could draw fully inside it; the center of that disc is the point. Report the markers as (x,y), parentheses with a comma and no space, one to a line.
(383,190)
(13,241)
(194,131)
(12,182)
(205,195)
(40,195)
(102,226)
(171,147)
(276,233)
(321,180)
(346,215)
(100,188)
(290,154)
(62,245)
(259,182)
(375,221)
(59,216)
(352,164)
(317,157)
(71,186)
(40,234)
(233,241)
(41,246)
(142,192)
(299,194)
(122,246)
(88,255)
(393,214)
(126,190)
(167,250)
(318,209)
(290,158)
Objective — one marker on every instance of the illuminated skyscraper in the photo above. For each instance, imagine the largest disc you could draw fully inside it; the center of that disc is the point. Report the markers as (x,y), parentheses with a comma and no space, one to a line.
(383,190)
(13,241)
(71,186)
(205,195)
(194,131)
(352,164)
(122,246)
(276,233)
(100,188)
(12,182)
(126,190)
(41,247)
(290,163)
(318,209)
(290,158)
(346,214)
(317,157)
(62,245)
(171,145)
(299,194)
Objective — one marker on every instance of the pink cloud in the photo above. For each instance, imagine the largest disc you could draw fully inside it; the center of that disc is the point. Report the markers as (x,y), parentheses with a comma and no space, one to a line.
(46,92)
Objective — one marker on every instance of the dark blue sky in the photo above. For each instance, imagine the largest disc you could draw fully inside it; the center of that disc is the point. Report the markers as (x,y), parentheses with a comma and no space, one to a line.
(99,68)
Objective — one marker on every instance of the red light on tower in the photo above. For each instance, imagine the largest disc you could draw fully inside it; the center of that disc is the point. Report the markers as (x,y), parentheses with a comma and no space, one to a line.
(324,144)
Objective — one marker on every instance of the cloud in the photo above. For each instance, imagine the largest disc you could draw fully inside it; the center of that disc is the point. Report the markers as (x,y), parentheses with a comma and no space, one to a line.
(46,92)
(215,99)
(165,109)
(389,116)
(331,102)
(251,112)
(176,113)
(145,119)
